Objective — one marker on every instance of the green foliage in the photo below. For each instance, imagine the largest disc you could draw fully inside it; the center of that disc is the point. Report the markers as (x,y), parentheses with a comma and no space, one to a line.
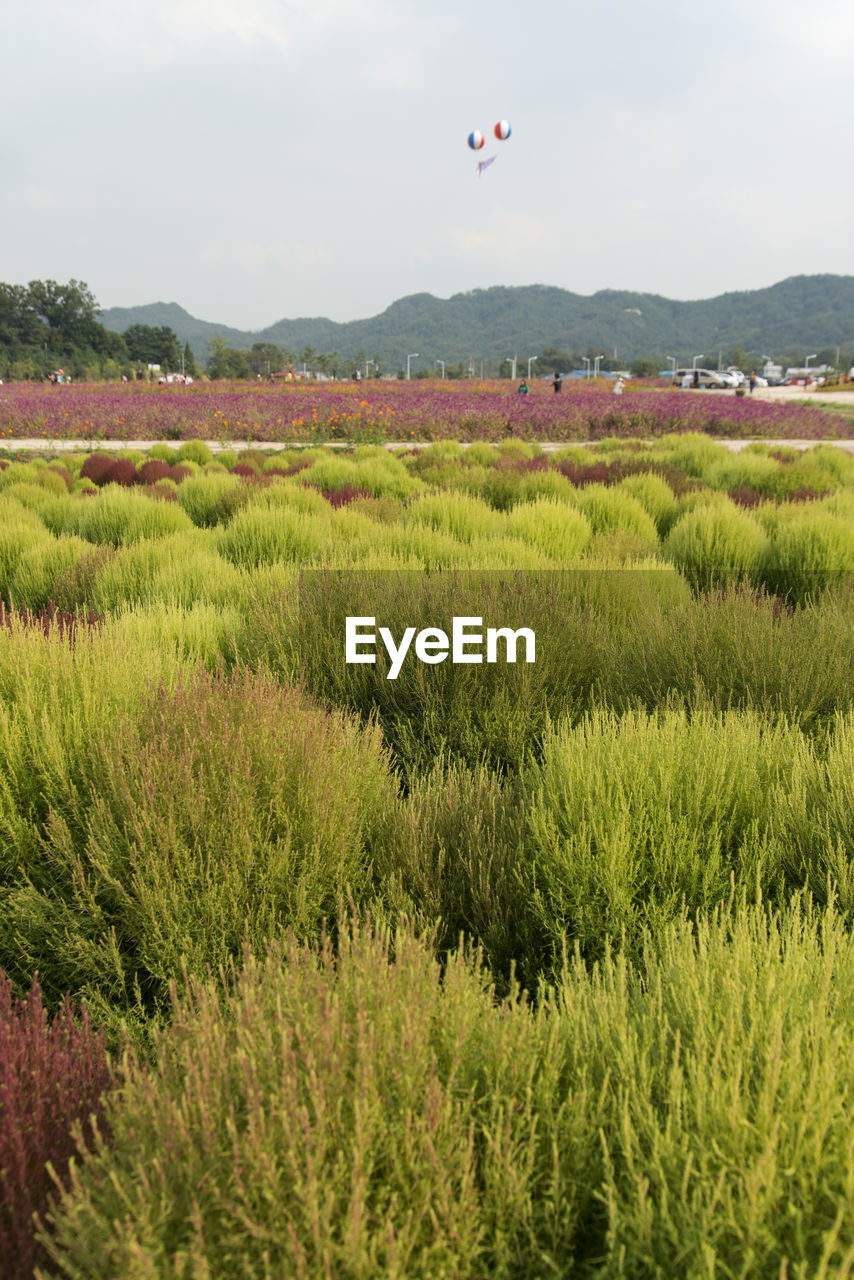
(259,536)
(809,552)
(194,451)
(637,817)
(682,1117)
(458,514)
(153,857)
(121,516)
(655,496)
(557,529)
(40,567)
(610,510)
(212,498)
(198,776)
(20,531)
(153,344)
(178,569)
(488,711)
(691,451)
(714,546)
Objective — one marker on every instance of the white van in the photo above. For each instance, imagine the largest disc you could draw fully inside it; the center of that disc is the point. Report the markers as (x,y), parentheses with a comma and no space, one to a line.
(703,379)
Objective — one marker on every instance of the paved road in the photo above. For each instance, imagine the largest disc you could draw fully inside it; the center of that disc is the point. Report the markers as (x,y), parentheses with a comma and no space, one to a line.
(110,446)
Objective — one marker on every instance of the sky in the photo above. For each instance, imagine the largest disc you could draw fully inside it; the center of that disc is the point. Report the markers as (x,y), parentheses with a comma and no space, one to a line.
(258,160)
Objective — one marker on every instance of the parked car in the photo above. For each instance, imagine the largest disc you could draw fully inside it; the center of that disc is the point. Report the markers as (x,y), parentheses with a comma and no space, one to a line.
(704,379)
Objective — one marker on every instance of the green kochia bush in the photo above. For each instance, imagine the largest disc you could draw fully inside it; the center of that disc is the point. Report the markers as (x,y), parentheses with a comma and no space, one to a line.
(716,545)
(119,516)
(260,535)
(610,510)
(380,474)
(373,1115)
(41,566)
(633,817)
(809,552)
(624,823)
(554,527)
(212,498)
(458,514)
(492,711)
(736,648)
(181,568)
(21,532)
(220,812)
(655,496)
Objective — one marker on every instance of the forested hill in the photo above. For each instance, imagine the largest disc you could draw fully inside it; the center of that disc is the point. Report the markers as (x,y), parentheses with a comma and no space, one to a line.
(804,313)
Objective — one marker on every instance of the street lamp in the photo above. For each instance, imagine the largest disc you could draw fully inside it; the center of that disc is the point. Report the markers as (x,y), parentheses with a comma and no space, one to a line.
(812,357)
(596,360)
(512,360)
(531,360)
(672,360)
(442,363)
(696,358)
(586,360)
(408,358)
(368,364)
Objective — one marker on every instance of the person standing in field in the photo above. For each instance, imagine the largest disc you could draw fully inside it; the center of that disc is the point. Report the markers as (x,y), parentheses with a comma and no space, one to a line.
(618,387)
(522,389)
(751,381)
(557,382)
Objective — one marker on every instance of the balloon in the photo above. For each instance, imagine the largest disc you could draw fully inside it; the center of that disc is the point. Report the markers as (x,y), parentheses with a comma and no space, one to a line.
(476,140)
(502,130)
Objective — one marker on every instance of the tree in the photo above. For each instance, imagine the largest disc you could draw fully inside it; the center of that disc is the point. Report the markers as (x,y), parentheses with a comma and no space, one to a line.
(553,358)
(645,368)
(226,362)
(152,344)
(737,358)
(19,323)
(190,366)
(266,358)
(69,311)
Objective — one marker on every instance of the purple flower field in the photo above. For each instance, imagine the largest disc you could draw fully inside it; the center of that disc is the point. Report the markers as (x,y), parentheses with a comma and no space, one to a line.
(393,411)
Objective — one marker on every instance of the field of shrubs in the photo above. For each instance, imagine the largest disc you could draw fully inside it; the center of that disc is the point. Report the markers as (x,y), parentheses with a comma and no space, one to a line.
(487,970)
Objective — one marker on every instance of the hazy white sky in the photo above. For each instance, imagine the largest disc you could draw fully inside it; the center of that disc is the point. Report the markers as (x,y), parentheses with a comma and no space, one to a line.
(270,159)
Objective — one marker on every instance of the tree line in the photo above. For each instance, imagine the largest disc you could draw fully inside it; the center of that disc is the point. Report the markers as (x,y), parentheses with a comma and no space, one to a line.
(45,326)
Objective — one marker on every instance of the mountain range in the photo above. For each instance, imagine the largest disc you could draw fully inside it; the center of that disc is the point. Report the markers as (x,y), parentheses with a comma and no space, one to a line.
(802,313)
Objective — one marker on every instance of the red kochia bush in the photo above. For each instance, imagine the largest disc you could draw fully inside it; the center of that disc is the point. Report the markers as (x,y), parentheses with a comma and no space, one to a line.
(52,1073)
(122,471)
(95,468)
(50,618)
(340,497)
(153,470)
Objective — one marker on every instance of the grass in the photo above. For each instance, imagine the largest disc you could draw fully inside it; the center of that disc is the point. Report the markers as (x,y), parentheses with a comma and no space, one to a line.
(510,970)
(367,1113)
